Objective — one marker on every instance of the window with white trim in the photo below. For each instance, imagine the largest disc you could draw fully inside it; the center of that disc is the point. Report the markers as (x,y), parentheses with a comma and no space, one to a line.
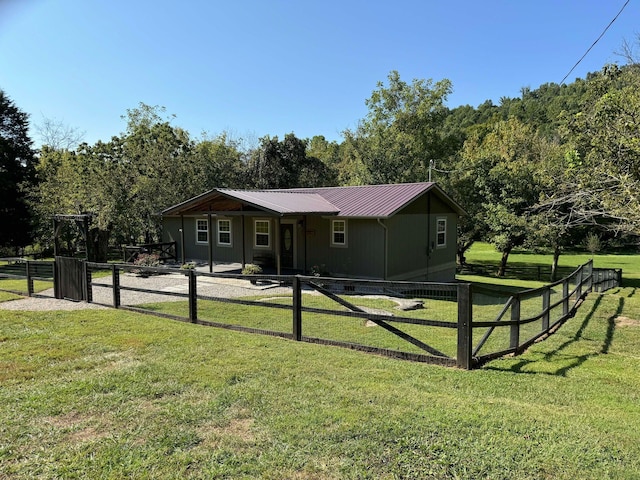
(224,232)
(262,230)
(339,233)
(441,232)
(202,231)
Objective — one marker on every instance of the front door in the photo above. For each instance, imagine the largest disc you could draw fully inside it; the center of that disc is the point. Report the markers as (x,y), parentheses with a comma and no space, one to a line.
(286,245)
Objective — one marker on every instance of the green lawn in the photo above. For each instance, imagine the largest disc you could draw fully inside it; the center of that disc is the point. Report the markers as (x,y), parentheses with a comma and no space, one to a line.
(113,394)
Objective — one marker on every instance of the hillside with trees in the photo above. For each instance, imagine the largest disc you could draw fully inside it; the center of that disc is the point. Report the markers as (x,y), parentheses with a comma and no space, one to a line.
(537,171)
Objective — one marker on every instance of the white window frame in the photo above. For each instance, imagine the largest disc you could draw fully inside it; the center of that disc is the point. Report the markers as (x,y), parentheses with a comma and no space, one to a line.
(221,231)
(256,233)
(334,231)
(441,232)
(205,222)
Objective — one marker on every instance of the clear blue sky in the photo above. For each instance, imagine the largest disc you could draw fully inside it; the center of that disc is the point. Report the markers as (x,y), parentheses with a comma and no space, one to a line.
(266,67)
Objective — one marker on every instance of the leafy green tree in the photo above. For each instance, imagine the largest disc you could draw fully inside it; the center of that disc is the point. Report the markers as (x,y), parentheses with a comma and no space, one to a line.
(403,130)
(603,156)
(69,183)
(125,182)
(504,162)
(352,168)
(17,159)
(285,164)
(218,161)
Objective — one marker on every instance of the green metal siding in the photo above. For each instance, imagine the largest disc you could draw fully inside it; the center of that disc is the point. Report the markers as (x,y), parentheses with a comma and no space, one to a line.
(363,256)
(200,251)
(413,253)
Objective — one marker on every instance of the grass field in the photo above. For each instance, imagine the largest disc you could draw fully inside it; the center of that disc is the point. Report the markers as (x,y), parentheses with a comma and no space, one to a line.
(111,394)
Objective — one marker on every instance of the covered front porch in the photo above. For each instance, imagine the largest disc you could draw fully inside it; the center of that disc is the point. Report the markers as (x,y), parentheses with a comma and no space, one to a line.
(236,228)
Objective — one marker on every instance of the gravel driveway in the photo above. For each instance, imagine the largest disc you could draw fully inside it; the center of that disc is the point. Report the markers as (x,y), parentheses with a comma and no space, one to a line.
(169,283)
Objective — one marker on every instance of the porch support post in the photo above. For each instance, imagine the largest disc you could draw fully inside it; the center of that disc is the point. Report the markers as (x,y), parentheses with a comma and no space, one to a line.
(56,242)
(87,241)
(184,260)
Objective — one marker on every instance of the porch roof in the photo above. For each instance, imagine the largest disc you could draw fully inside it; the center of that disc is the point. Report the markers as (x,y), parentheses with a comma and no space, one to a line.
(272,201)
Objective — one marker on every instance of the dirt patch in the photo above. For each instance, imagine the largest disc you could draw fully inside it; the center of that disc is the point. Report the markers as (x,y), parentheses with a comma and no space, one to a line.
(238,432)
(78,432)
(627,322)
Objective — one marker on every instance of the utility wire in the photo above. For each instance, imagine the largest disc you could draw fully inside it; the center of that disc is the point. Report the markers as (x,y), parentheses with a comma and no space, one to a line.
(594,43)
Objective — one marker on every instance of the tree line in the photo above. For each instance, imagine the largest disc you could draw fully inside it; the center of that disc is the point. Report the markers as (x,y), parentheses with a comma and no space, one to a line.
(541,170)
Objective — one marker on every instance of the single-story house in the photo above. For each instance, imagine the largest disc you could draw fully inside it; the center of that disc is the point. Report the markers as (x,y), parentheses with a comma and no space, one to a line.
(392,232)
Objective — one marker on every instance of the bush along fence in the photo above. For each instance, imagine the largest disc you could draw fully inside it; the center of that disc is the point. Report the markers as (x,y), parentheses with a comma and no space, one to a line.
(451,324)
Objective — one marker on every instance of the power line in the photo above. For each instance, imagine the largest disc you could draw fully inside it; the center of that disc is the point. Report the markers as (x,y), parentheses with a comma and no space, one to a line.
(594,43)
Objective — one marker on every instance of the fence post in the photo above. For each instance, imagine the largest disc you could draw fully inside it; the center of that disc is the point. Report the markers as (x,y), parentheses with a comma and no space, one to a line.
(465,327)
(546,301)
(565,297)
(56,279)
(29,279)
(115,275)
(193,296)
(88,289)
(578,286)
(514,336)
(297,308)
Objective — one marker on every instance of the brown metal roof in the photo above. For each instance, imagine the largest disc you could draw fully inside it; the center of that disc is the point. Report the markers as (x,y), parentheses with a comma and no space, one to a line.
(284,202)
(377,201)
(367,201)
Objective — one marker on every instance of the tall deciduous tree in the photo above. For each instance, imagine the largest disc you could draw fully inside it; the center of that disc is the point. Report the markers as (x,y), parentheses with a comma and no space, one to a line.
(504,163)
(219,162)
(125,182)
(602,176)
(17,160)
(285,164)
(403,129)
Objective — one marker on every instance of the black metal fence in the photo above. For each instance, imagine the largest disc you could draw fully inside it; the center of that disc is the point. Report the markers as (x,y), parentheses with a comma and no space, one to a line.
(443,323)
(524,317)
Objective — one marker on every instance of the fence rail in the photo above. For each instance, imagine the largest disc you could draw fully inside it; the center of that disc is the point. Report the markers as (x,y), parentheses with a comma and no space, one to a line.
(165,251)
(17,268)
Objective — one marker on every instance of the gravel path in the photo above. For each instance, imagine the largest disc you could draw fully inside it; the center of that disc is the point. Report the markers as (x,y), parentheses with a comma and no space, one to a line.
(168,284)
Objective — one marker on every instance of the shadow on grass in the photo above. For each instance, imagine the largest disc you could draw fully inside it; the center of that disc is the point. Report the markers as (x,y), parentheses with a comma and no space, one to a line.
(630,283)
(575,361)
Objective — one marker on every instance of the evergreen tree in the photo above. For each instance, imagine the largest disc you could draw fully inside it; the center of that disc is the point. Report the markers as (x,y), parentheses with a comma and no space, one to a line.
(17,159)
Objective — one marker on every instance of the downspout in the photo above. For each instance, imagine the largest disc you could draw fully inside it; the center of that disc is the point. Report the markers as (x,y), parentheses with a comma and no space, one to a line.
(386,243)
(210,246)
(182,239)
(429,240)
(244,255)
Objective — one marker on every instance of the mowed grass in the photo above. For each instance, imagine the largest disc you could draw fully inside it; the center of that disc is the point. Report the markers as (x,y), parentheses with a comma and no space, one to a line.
(20,285)
(113,394)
